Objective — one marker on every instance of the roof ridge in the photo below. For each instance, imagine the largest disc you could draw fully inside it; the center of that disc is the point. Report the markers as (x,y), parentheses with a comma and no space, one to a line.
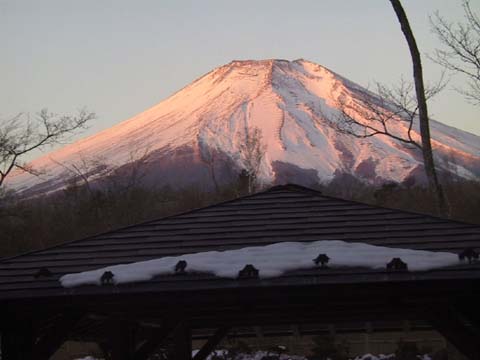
(295,187)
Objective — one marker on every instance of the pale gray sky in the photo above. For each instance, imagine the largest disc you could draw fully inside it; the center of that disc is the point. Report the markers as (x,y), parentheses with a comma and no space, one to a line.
(120,57)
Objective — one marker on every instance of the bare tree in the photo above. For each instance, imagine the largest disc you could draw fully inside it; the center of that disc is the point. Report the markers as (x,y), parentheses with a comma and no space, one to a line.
(252,151)
(132,173)
(94,180)
(461,49)
(421,97)
(121,178)
(21,135)
(208,156)
(392,113)
(81,171)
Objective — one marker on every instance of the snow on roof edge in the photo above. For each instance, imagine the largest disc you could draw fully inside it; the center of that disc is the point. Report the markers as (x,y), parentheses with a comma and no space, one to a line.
(271,261)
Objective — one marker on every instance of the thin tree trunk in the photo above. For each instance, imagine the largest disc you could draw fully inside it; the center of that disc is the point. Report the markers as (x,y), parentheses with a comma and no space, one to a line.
(428,162)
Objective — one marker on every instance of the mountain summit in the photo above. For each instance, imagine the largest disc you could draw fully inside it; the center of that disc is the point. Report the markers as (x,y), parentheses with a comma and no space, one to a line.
(194,136)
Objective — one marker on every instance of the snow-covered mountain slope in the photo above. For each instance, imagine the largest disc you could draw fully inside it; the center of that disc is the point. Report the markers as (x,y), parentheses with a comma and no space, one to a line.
(194,136)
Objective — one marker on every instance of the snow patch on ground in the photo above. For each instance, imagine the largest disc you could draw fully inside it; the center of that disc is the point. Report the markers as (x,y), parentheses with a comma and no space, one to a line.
(373,357)
(387,357)
(271,261)
(260,354)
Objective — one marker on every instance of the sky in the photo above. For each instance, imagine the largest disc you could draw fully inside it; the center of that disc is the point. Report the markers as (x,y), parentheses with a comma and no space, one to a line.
(118,57)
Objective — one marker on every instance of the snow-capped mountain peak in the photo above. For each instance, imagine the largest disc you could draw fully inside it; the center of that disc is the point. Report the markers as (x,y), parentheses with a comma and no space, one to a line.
(193,134)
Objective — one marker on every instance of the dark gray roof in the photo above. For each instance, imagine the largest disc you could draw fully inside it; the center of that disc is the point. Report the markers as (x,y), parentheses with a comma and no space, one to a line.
(282,213)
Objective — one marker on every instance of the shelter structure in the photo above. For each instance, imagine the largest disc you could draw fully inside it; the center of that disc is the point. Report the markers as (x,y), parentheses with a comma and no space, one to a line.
(131,320)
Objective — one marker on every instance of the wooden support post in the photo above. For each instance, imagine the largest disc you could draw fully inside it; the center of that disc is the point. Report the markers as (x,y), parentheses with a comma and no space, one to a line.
(121,339)
(332,331)
(182,342)
(296,331)
(368,332)
(406,327)
(154,340)
(212,342)
(258,332)
(457,331)
(472,313)
(105,347)
(56,334)
(17,340)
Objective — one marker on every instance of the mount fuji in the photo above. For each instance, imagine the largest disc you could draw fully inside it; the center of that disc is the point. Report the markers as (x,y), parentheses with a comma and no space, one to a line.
(193,138)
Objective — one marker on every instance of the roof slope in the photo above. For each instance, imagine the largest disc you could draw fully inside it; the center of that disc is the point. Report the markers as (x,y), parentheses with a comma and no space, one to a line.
(282,213)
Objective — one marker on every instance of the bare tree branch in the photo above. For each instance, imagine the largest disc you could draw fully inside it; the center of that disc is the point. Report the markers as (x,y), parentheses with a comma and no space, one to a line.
(20,136)
(391,112)
(83,170)
(461,49)
(208,157)
(132,173)
(123,178)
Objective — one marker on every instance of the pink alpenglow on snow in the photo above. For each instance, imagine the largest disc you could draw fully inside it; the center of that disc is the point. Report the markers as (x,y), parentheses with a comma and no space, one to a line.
(295,106)
(271,260)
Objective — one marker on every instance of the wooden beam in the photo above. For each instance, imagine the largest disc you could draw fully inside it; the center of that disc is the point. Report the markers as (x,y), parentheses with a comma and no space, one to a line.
(472,313)
(306,314)
(105,347)
(332,331)
(258,331)
(212,342)
(182,342)
(154,340)
(457,331)
(121,339)
(17,340)
(406,327)
(295,330)
(55,335)
(368,333)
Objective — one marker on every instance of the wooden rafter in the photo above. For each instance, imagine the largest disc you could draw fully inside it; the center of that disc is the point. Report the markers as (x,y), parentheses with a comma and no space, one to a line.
(154,340)
(182,342)
(17,339)
(211,343)
(457,330)
(50,340)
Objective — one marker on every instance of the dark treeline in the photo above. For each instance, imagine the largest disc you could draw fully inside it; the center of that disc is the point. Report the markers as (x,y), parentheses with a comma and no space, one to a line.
(463,196)
(79,210)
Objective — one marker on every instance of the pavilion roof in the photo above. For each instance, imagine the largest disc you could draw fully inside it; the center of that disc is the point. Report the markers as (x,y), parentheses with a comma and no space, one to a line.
(280,214)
